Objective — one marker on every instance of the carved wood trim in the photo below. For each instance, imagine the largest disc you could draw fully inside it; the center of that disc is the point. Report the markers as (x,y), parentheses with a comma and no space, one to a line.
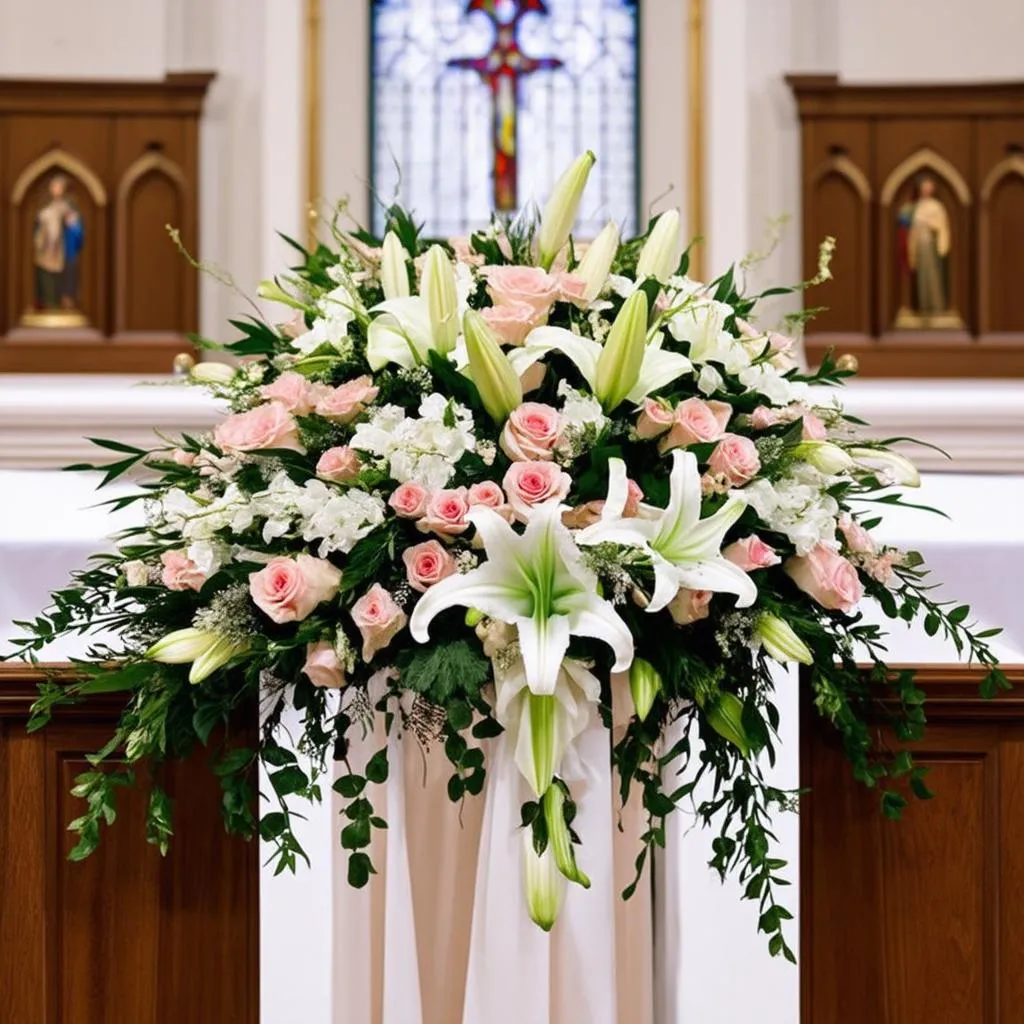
(925,158)
(1011,165)
(145,164)
(178,93)
(50,160)
(844,167)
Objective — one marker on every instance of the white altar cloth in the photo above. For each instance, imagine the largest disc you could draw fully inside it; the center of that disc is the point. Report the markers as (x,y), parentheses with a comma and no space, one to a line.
(47,529)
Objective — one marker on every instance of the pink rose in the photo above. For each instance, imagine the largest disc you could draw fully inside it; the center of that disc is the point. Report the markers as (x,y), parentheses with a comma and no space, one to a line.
(531,483)
(572,288)
(182,457)
(814,428)
(879,567)
(689,605)
(464,251)
(490,495)
(288,589)
(180,572)
(858,540)
(409,500)
(735,459)
(323,666)
(751,553)
(378,619)
(293,391)
(764,416)
(266,426)
(445,513)
(696,422)
(582,516)
(294,327)
(512,321)
(343,404)
(828,578)
(531,285)
(655,419)
(426,564)
(339,465)
(634,495)
(531,432)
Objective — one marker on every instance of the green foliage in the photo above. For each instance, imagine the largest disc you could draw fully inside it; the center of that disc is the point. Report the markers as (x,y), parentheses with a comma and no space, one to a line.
(444,670)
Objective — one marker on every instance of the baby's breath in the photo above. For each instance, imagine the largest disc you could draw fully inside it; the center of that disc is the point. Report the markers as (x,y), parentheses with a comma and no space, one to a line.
(229,614)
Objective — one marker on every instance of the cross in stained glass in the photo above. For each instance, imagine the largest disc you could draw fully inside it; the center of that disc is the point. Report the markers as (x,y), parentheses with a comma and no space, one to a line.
(502,68)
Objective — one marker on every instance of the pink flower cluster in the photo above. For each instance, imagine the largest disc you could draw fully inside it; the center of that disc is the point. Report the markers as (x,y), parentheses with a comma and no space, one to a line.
(523,297)
(272,425)
(814,429)
(734,460)
(861,545)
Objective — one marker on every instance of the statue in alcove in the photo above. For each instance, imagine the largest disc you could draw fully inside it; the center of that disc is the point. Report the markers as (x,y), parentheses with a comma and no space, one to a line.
(58,235)
(924,242)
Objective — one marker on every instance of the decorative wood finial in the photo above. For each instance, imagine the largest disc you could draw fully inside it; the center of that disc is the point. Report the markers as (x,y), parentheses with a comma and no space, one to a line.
(183,364)
(848,363)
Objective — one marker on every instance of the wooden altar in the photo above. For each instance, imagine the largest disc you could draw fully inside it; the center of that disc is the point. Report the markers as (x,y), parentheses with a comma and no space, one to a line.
(125,936)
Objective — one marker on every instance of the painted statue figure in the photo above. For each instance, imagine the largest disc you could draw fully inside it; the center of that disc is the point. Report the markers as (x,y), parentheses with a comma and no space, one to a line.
(924,250)
(57,245)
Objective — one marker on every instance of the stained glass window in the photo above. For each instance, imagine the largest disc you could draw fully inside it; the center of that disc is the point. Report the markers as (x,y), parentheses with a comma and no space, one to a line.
(479,104)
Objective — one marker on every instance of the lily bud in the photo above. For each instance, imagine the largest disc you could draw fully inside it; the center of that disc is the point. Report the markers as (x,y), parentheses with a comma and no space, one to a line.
(559,840)
(438,288)
(560,213)
(273,292)
(659,258)
(544,883)
(211,372)
(618,366)
(597,260)
(890,467)
(206,651)
(644,686)
(724,713)
(824,456)
(394,269)
(779,640)
(492,373)
(543,741)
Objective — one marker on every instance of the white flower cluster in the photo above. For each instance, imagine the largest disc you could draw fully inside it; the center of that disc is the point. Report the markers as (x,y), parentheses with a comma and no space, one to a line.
(797,506)
(583,419)
(337,309)
(424,448)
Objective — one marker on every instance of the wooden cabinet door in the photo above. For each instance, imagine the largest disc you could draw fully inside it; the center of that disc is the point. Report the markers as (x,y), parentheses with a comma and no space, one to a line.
(919,921)
(126,936)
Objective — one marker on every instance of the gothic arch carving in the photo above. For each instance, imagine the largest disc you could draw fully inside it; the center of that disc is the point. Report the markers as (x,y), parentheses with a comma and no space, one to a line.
(845,168)
(53,160)
(152,162)
(925,159)
(1011,166)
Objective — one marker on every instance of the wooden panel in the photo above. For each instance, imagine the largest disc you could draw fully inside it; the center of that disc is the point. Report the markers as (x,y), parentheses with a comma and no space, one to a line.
(136,296)
(913,922)
(124,937)
(959,135)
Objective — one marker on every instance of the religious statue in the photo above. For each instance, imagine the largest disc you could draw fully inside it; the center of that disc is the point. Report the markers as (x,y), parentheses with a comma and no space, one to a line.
(57,238)
(924,245)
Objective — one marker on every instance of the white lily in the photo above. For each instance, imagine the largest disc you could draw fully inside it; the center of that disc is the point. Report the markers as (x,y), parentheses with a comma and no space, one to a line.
(889,467)
(438,287)
(402,333)
(537,582)
(560,211)
(684,549)
(542,727)
(545,885)
(657,370)
(659,257)
(597,260)
(780,641)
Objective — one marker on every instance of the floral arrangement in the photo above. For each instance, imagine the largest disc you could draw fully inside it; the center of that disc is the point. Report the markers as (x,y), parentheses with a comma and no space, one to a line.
(498,485)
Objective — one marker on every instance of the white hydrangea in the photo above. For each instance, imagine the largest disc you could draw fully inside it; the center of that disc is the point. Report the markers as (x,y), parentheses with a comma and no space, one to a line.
(337,310)
(580,409)
(797,506)
(338,519)
(424,448)
(702,325)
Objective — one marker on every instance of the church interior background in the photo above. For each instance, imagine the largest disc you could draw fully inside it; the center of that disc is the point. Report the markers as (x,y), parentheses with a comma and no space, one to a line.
(896,128)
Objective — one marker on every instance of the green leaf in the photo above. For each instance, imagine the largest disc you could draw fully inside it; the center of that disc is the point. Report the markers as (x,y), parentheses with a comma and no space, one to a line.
(275,755)
(205,718)
(377,767)
(960,613)
(233,761)
(487,728)
(356,835)
(349,786)
(460,715)
(456,788)
(272,825)
(289,780)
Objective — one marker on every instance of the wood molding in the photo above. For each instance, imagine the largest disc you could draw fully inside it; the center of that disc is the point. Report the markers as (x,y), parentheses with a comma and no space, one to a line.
(58,158)
(932,356)
(1011,166)
(177,93)
(844,167)
(924,157)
